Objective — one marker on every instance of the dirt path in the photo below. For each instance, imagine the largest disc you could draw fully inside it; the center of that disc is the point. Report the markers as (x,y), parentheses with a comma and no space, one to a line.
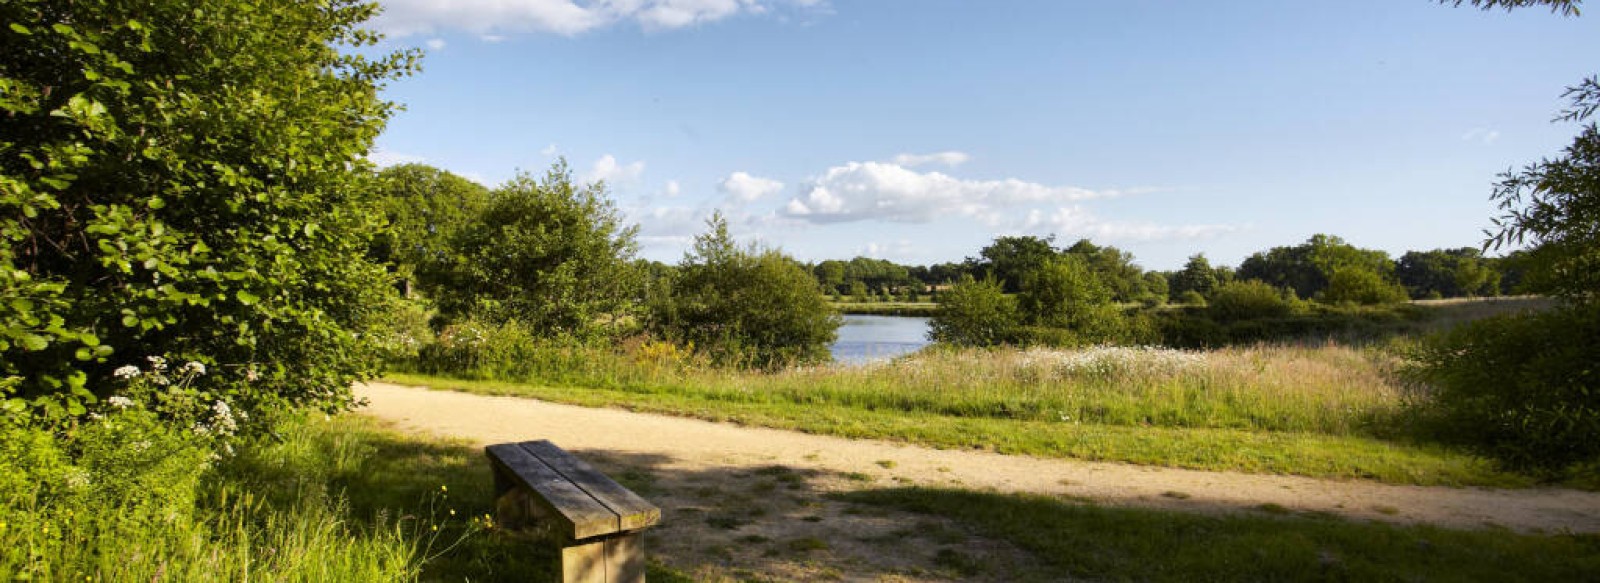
(704,467)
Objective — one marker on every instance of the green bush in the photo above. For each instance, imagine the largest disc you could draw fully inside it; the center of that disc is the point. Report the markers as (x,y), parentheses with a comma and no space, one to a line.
(1066,293)
(1251,299)
(185,179)
(544,251)
(1191,298)
(975,313)
(746,306)
(1357,285)
(1523,389)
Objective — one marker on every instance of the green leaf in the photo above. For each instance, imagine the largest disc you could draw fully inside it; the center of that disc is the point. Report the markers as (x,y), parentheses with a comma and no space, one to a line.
(246,298)
(34,342)
(20,29)
(156,203)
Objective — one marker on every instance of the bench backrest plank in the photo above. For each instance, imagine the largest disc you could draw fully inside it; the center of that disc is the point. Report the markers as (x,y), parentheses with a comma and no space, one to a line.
(582,515)
(633,512)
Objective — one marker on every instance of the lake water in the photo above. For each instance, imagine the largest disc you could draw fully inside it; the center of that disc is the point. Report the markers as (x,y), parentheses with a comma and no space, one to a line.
(864,339)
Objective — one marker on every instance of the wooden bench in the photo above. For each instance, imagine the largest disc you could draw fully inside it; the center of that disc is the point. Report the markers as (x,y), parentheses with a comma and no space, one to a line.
(594,519)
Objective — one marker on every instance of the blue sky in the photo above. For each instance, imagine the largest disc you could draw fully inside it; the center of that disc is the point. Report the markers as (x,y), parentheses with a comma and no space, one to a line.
(918,130)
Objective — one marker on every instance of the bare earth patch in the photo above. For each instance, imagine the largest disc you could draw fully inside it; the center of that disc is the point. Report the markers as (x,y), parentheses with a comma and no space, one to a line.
(742,502)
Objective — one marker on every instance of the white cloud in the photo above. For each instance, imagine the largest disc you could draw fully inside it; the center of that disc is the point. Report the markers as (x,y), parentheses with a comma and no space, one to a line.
(1076,221)
(548,151)
(951,159)
(435,43)
(385,159)
(896,250)
(489,18)
(858,191)
(1485,136)
(672,189)
(746,188)
(609,170)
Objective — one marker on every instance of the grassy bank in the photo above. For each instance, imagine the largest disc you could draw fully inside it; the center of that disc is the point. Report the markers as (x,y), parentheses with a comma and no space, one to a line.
(1076,540)
(924,309)
(336,500)
(1322,411)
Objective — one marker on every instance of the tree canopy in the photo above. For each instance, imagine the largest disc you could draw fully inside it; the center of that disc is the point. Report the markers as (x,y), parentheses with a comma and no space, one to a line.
(186,178)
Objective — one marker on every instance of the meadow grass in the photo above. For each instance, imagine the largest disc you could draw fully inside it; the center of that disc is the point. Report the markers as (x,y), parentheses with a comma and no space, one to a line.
(344,499)
(1324,411)
(1076,540)
(886,308)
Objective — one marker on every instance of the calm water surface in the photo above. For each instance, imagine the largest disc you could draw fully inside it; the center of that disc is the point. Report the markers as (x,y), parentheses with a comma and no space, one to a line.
(864,339)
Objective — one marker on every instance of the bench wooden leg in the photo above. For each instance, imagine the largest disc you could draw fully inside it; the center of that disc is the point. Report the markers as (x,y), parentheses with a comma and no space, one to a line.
(615,559)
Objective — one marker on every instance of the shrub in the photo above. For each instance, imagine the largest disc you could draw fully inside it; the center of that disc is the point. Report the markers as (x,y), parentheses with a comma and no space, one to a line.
(184,178)
(1362,286)
(544,251)
(1191,298)
(1251,299)
(975,313)
(1523,389)
(747,306)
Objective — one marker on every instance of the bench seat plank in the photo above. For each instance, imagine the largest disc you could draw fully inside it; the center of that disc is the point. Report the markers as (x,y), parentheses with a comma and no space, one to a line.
(633,512)
(582,515)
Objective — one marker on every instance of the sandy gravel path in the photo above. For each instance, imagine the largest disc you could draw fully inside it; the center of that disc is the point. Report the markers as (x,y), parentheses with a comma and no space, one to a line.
(688,446)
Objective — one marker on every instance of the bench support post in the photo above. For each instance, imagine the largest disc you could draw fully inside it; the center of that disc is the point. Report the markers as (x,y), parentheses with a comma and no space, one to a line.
(611,559)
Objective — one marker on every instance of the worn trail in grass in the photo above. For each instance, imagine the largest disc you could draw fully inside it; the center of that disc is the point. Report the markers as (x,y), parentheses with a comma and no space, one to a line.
(692,445)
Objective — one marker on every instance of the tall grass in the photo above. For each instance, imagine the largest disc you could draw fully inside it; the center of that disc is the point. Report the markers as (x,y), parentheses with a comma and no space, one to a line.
(1326,389)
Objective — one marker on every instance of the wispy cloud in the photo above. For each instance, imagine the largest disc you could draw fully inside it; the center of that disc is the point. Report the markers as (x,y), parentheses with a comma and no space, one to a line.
(612,172)
(1484,136)
(860,191)
(491,19)
(951,159)
(746,188)
(385,159)
(1075,221)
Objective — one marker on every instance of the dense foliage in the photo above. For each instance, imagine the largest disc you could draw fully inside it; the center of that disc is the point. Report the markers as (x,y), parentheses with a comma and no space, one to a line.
(185,179)
(425,208)
(1523,389)
(545,252)
(746,305)
(975,313)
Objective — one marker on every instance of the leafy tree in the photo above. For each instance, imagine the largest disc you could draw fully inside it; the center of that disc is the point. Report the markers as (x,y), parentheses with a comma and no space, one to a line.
(1565,7)
(186,179)
(1010,259)
(1155,285)
(1361,286)
(1447,273)
(975,313)
(1115,268)
(425,208)
(1067,294)
(1306,268)
(1196,276)
(546,252)
(830,275)
(747,305)
(1250,299)
(1554,207)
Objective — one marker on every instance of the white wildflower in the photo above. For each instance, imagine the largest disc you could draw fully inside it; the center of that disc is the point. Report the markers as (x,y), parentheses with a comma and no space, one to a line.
(194,368)
(251,375)
(126,372)
(157,364)
(222,421)
(119,402)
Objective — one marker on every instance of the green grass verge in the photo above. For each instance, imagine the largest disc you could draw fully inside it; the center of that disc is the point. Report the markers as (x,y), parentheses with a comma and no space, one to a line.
(328,500)
(1307,454)
(1084,541)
